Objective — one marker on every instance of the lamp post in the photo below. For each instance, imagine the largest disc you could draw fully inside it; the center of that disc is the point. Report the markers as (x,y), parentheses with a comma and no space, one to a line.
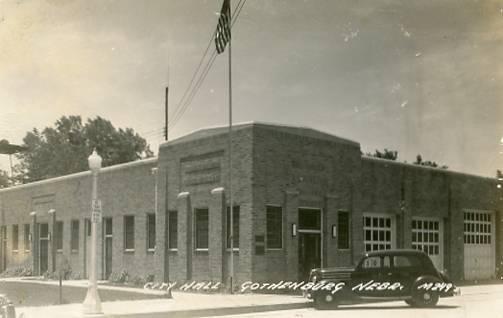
(92,303)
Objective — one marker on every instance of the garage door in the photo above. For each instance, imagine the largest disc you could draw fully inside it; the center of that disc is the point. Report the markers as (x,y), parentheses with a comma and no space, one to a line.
(479,245)
(427,236)
(378,232)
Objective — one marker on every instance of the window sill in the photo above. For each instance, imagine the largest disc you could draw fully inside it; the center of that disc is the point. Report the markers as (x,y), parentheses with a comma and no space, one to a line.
(27,251)
(274,249)
(59,251)
(150,250)
(129,250)
(173,250)
(75,251)
(14,251)
(201,250)
(235,250)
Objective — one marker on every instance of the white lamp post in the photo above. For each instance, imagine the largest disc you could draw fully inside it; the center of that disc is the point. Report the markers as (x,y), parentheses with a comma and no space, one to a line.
(92,303)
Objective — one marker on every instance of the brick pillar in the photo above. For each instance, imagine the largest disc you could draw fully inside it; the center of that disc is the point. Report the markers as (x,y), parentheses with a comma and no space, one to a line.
(185,249)
(34,243)
(217,233)
(52,243)
(161,255)
(291,216)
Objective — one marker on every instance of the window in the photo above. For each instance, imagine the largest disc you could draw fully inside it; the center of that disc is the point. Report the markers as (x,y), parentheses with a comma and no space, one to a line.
(88,227)
(150,232)
(376,262)
(406,261)
(426,236)
(372,262)
(201,229)
(235,227)
(477,227)
(343,235)
(173,230)
(274,215)
(27,237)
(15,238)
(74,241)
(377,232)
(129,233)
(58,235)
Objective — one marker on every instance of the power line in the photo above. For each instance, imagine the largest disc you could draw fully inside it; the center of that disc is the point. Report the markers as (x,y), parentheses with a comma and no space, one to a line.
(187,97)
(194,91)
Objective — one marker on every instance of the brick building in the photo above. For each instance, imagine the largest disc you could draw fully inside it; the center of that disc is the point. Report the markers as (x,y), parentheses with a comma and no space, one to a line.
(302,198)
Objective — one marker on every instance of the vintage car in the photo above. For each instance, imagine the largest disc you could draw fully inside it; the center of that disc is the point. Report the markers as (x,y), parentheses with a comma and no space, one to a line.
(399,274)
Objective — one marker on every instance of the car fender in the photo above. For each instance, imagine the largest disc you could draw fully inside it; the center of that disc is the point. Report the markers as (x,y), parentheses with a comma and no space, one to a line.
(426,279)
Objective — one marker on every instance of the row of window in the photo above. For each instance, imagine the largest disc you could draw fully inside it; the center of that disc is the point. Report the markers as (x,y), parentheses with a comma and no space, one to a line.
(274,230)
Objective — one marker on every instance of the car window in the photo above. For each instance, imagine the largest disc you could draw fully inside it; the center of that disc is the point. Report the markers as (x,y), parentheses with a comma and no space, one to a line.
(406,261)
(371,262)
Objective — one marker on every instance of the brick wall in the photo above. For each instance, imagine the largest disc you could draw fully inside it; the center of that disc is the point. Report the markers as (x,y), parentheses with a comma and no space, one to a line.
(123,189)
(272,165)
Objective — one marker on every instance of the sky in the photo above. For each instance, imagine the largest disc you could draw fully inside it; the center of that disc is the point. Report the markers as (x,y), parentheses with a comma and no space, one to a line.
(419,77)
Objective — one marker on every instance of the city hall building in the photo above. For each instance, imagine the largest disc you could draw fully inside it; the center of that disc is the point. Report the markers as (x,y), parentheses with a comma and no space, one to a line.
(301,199)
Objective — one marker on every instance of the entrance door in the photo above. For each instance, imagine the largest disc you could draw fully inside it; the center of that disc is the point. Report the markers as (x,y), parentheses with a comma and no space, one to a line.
(43,248)
(309,254)
(309,241)
(108,246)
(479,245)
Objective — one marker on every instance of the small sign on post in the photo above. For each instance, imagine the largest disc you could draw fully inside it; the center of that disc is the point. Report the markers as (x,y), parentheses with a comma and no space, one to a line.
(96,211)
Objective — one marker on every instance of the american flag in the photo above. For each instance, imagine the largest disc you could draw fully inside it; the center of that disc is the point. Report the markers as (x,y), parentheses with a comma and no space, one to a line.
(223,33)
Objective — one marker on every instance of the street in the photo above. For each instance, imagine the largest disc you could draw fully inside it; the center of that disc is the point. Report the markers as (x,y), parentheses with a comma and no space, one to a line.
(475,301)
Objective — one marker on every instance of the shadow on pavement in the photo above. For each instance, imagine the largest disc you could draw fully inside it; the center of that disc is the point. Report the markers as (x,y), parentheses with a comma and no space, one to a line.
(349,307)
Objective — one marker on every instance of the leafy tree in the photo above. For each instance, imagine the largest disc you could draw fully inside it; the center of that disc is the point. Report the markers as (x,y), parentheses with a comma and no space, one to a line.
(428,163)
(64,148)
(386,154)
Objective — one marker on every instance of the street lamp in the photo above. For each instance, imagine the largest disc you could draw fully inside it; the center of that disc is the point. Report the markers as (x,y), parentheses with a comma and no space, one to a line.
(92,303)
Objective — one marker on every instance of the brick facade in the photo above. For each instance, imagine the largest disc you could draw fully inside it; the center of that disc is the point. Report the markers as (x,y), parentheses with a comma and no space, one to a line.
(286,167)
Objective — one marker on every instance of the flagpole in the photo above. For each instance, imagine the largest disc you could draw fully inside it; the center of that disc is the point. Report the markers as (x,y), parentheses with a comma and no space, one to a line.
(231,207)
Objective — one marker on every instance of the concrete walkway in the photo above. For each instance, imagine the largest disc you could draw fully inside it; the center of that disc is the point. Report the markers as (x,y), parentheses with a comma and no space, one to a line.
(181,305)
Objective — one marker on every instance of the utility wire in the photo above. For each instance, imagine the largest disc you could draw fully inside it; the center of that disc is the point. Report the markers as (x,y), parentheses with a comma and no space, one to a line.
(187,97)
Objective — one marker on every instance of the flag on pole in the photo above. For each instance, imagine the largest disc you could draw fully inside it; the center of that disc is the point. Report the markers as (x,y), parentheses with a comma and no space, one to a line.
(223,33)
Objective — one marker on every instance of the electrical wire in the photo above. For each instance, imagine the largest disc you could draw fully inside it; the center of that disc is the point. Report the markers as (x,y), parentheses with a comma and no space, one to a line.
(192,89)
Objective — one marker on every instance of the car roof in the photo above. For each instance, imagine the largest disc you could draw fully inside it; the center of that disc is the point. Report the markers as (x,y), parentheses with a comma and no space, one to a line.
(401,251)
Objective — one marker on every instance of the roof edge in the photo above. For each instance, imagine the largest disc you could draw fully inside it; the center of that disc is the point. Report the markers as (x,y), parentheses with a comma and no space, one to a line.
(81,174)
(411,165)
(246,124)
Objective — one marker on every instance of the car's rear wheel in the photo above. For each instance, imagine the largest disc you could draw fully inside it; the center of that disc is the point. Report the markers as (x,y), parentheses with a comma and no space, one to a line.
(323,301)
(410,302)
(425,298)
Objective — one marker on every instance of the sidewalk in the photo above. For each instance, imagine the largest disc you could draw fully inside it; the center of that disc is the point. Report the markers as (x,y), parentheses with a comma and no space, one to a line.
(181,305)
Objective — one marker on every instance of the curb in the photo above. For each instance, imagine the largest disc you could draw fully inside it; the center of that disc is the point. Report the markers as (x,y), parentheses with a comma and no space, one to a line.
(219,311)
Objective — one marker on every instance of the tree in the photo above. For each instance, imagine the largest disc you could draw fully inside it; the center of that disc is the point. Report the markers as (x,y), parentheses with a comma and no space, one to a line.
(64,148)
(421,162)
(4,179)
(386,154)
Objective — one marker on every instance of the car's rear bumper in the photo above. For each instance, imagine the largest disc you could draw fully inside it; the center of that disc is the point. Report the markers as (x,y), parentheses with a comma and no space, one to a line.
(457,291)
